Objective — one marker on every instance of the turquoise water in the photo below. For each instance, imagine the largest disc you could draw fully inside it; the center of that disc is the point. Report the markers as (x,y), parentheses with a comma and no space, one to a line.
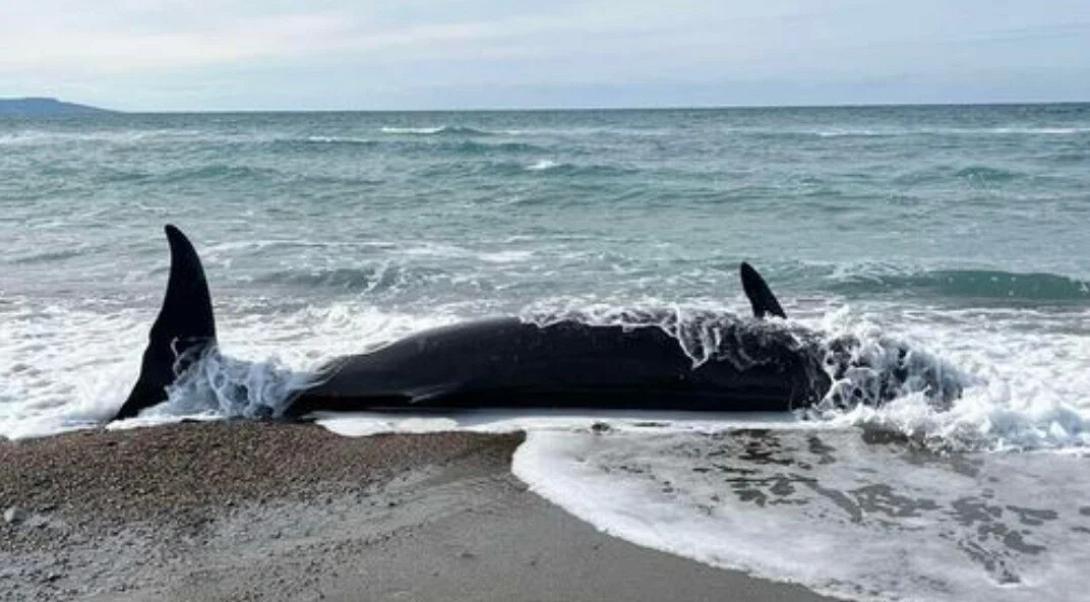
(959,230)
(332,232)
(941,203)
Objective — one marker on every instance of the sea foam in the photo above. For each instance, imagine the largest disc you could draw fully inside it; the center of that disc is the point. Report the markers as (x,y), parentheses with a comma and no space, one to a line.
(1023,386)
(831,510)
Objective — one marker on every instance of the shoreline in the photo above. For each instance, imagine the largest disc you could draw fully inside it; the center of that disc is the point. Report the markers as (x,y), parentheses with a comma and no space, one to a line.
(244,510)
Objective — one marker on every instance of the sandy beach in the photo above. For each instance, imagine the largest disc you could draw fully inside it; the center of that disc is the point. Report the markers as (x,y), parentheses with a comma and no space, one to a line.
(276,511)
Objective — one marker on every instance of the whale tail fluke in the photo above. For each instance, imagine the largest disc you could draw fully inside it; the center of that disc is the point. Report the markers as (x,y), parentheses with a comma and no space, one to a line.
(760,296)
(184,328)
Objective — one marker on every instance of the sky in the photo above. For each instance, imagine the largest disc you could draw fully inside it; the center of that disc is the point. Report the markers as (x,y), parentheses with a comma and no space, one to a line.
(172,55)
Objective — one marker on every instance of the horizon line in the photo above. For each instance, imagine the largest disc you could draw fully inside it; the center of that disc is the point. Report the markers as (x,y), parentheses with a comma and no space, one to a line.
(543,109)
(546,109)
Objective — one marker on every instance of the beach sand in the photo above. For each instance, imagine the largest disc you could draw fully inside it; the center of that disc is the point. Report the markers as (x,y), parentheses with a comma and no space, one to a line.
(277,511)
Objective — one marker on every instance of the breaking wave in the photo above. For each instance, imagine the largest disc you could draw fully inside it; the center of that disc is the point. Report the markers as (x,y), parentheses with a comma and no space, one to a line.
(1019,388)
(943,396)
(702,334)
(326,142)
(442,130)
(863,367)
(901,132)
(230,387)
(905,524)
(364,280)
(542,165)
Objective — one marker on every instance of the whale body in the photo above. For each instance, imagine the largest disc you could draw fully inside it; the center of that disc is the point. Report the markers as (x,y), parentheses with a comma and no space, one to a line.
(510,363)
(507,362)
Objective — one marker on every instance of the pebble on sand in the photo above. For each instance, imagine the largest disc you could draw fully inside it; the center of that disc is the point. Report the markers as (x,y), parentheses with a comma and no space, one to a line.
(15,515)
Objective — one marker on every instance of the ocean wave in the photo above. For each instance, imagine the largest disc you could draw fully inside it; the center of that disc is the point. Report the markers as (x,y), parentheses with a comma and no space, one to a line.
(226,386)
(51,255)
(1020,388)
(457,145)
(472,147)
(340,278)
(1022,375)
(985,173)
(327,141)
(383,278)
(542,165)
(993,285)
(218,171)
(578,170)
(69,365)
(1039,131)
(442,130)
(902,132)
(947,392)
(565,169)
(109,136)
(349,279)
(1070,157)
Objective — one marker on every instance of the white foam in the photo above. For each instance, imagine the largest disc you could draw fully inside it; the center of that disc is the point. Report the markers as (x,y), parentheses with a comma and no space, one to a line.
(360,424)
(34,137)
(651,477)
(338,139)
(840,510)
(1063,131)
(952,131)
(449,129)
(509,256)
(829,511)
(844,511)
(65,367)
(229,387)
(70,365)
(542,165)
(1026,386)
(416,130)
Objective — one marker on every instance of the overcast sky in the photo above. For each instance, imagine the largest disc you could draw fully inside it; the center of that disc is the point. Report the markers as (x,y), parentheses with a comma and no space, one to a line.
(412,54)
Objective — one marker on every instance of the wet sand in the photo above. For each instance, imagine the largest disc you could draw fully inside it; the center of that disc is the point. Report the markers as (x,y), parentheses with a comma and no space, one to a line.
(276,511)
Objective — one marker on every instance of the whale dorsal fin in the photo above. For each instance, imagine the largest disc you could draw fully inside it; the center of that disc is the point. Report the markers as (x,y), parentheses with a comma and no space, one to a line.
(760,296)
(185,325)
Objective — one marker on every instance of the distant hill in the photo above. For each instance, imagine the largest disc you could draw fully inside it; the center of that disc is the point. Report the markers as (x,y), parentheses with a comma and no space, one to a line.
(44,107)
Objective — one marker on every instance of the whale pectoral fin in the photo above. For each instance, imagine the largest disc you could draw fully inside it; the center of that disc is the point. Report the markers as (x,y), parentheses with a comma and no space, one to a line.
(185,326)
(433,394)
(760,296)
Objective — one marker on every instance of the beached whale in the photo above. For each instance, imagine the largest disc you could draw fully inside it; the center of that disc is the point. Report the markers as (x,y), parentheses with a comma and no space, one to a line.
(746,364)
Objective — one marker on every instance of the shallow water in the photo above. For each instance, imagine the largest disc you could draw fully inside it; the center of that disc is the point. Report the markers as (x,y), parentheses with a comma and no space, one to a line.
(854,513)
(959,230)
(848,515)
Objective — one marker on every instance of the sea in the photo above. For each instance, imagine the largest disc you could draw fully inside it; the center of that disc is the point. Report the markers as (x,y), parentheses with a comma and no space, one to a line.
(962,231)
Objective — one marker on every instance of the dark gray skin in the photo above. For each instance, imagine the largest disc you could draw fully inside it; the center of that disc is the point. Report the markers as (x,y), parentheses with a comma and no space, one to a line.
(509,363)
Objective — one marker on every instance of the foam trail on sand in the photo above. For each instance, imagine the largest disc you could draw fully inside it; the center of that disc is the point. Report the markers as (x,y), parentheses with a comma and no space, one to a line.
(830,510)
(361,424)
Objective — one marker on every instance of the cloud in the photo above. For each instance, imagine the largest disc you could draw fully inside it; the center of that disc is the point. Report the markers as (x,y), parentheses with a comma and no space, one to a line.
(115,51)
(278,54)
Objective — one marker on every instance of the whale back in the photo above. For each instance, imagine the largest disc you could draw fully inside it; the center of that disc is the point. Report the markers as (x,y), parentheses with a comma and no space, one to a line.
(184,328)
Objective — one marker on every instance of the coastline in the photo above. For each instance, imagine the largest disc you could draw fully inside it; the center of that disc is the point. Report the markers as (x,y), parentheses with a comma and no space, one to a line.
(286,511)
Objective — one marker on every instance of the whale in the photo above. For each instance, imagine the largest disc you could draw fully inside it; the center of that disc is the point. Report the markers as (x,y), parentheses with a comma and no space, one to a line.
(755,363)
